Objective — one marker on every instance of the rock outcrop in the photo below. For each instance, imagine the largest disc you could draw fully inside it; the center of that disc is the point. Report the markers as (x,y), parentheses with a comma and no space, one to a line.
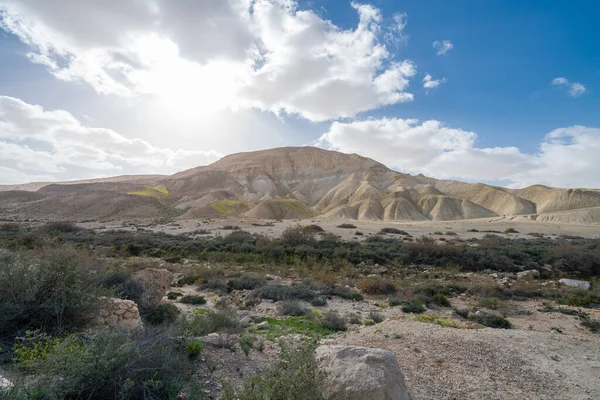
(155,283)
(360,373)
(120,313)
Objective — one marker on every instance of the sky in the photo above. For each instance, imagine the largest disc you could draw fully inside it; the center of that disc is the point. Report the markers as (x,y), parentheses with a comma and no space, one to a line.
(501,92)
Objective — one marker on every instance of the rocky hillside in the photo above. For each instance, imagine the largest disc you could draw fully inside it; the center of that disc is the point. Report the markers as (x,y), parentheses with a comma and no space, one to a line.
(297,182)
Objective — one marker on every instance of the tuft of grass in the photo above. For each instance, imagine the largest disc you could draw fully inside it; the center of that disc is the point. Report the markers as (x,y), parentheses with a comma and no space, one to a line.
(347,226)
(278,327)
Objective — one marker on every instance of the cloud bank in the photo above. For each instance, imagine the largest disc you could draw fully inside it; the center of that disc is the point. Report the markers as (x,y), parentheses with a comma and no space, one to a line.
(213,54)
(567,157)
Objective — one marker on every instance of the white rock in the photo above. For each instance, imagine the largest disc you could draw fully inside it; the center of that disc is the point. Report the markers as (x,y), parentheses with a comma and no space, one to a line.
(263,325)
(529,274)
(360,373)
(575,283)
(246,321)
(5,383)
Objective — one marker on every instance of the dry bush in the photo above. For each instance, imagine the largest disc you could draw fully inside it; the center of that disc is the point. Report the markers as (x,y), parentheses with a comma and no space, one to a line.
(375,286)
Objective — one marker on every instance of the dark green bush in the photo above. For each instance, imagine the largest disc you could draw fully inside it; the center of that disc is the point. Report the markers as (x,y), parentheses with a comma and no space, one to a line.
(162,314)
(318,301)
(190,299)
(440,300)
(394,231)
(492,320)
(334,321)
(246,282)
(212,321)
(413,306)
(173,295)
(57,292)
(292,308)
(111,365)
(295,376)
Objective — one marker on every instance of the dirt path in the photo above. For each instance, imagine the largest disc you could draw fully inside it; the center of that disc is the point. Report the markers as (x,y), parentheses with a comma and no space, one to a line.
(447,363)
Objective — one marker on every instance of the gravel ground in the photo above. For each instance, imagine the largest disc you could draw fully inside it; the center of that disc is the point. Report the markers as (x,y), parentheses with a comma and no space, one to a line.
(447,363)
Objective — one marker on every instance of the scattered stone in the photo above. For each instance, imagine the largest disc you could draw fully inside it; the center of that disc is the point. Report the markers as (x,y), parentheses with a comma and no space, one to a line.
(575,283)
(263,325)
(360,373)
(119,312)
(5,383)
(246,321)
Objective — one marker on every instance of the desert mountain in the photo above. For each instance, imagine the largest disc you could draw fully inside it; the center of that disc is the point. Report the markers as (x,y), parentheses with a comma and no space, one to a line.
(295,182)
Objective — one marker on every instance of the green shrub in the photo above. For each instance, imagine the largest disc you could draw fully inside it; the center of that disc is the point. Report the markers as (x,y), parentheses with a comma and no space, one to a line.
(394,231)
(162,314)
(376,317)
(295,376)
(290,307)
(212,321)
(490,302)
(413,306)
(57,292)
(190,299)
(246,343)
(375,286)
(492,321)
(440,300)
(580,298)
(511,230)
(133,249)
(462,312)
(588,322)
(358,233)
(194,347)
(173,295)
(111,364)
(246,282)
(318,301)
(334,321)
(394,302)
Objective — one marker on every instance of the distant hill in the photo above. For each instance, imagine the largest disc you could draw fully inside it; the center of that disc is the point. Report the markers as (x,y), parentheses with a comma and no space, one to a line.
(295,182)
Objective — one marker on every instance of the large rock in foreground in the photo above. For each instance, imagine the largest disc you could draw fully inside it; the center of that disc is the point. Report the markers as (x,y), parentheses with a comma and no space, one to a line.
(155,283)
(360,373)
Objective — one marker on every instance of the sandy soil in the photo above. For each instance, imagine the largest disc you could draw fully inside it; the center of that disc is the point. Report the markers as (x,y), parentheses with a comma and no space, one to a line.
(448,363)
(416,229)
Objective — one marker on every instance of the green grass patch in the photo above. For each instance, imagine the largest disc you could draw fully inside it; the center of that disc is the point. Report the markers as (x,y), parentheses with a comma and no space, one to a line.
(434,319)
(227,206)
(292,325)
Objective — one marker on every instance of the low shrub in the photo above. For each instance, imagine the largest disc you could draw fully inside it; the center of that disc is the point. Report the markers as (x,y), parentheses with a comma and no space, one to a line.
(246,282)
(215,284)
(394,302)
(246,343)
(194,347)
(376,317)
(57,292)
(489,302)
(374,286)
(413,306)
(208,322)
(162,314)
(295,376)
(173,295)
(580,298)
(462,312)
(394,231)
(290,307)
(334,321)
(110,364)
(440,300)
(318,301)
(347,226)
(190,299)
(511,230)
(588,322)
(492,320)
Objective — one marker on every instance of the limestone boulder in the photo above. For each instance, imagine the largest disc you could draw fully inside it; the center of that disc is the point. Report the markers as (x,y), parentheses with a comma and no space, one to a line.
(360,373)
(576,283)
(529,274)
(155,283)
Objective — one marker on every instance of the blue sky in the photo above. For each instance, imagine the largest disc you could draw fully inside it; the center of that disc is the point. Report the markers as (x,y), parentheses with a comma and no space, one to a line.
(181,84)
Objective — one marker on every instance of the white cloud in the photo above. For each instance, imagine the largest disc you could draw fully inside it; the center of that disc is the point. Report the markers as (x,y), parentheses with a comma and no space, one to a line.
(575,88)
(442,46)
(567,157)
(430,83)
(214,54)
(37,144)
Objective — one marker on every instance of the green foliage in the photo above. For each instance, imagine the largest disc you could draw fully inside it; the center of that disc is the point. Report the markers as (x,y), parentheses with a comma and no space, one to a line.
(394,231)
(194,347)
(413,306)
(110,364)
(492,321)
(394,302)
(580,298)
(332,320)
(291,307)
(190,299)
(490,302)
(440,300)
(374,286)
(173,295)
(588,322)
(318,301)
(246,282)
(133,249)
(246,343)
(208,322)
(308,326)
(295,376)
(57,292)
(162,314)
